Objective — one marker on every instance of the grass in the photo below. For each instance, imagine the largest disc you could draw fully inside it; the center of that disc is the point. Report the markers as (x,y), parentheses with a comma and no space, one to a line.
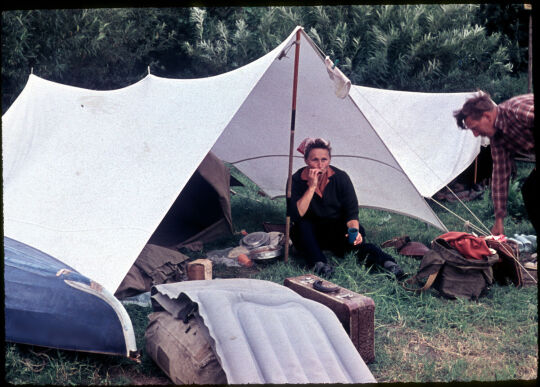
(418,338)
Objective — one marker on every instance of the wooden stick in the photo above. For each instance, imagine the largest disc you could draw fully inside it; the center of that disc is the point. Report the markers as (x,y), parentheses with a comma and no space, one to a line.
(291,143)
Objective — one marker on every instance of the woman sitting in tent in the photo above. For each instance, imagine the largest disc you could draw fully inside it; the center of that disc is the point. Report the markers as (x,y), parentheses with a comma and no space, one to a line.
(323,207)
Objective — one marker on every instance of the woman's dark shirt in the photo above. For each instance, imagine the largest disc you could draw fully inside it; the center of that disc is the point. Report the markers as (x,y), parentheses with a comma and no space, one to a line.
(338,202)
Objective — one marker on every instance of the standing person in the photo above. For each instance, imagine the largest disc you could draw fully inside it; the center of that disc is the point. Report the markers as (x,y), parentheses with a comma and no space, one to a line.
(509,127)
(323,206)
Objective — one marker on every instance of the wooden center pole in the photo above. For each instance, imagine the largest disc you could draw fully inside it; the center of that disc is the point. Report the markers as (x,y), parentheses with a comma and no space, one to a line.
(291,143)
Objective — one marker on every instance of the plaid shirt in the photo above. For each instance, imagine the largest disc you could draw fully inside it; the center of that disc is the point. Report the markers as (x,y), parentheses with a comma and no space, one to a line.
(514,133)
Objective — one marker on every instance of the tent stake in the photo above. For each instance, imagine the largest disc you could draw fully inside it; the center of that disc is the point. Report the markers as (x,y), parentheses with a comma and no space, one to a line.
(291,144)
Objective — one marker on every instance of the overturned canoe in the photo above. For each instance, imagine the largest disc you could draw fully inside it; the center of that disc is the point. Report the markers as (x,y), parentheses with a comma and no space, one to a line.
(48,303)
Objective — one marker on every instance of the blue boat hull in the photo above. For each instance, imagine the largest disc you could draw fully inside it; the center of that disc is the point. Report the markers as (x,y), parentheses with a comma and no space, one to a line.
(48,303)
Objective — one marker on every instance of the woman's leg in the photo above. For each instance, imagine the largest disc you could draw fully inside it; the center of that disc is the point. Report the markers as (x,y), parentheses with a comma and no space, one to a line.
(304,237)
(372,254)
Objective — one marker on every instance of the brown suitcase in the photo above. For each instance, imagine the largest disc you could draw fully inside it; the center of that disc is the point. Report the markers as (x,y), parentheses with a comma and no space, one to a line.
(355,311)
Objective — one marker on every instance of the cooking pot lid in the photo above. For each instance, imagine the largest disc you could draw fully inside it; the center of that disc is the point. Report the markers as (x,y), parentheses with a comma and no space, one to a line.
(255,239)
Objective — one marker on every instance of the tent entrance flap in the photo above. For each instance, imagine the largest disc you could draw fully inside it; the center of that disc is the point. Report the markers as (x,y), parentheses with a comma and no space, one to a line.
(202,211)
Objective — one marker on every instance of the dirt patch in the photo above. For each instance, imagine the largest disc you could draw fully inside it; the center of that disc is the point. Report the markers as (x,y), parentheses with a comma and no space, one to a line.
(452,354)
(422,348)
(479,345)
(222,271)
(136,378)
(143,380)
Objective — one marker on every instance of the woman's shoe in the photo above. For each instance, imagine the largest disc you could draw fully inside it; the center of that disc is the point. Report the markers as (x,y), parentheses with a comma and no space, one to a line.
(394,268)
(323,269)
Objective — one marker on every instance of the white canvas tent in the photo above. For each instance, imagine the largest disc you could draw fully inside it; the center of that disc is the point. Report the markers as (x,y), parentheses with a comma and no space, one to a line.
(420,131)
(89,175)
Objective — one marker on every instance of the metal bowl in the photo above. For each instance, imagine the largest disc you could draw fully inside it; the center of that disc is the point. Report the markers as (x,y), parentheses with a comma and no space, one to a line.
(266,253)
(255,239)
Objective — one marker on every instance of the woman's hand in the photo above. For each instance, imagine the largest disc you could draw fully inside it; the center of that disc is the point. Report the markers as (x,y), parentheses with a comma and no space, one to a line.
(313,177)
(358,239)
(353,223)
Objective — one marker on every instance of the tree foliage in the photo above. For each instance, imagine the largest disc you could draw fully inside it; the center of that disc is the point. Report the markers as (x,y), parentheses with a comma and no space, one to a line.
(92,48)
(512,22)
(421,47)
(437,48)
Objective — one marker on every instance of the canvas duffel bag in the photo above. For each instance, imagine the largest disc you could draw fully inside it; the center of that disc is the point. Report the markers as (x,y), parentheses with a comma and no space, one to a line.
(453,275)
(155,265)
(182,349)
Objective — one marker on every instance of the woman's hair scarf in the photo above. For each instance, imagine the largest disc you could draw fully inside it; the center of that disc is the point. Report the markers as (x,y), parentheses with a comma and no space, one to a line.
(309,141)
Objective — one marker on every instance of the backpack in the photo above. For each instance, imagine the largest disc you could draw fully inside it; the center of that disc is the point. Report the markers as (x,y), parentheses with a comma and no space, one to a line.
(452,274)
(182,346)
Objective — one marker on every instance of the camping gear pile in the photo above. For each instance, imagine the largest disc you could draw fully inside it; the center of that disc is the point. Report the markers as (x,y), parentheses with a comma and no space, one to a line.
(465,265)
(242,331)
(258,247)
(453,273)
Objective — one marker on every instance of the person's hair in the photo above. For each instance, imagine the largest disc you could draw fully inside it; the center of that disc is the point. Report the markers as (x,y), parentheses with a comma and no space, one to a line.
(474,107)
(319,143)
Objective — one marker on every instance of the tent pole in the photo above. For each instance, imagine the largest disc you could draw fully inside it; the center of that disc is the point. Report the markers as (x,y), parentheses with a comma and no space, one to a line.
(291,143)
(475,169)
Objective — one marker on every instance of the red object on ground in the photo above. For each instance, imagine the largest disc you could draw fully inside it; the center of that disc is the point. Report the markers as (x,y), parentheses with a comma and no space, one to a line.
(244,260)
(468,245)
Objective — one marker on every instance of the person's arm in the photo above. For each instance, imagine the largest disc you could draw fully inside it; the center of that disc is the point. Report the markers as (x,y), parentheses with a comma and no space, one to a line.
(350,202)
(498,226)
(303,203)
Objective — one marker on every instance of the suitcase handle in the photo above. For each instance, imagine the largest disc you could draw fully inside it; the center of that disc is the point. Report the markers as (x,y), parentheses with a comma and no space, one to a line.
(317,285)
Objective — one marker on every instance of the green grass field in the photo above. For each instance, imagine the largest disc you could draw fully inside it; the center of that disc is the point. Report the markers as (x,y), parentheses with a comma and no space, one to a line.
(418,338)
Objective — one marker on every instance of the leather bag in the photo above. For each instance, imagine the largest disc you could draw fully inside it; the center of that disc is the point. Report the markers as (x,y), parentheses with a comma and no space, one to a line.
(451,274)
